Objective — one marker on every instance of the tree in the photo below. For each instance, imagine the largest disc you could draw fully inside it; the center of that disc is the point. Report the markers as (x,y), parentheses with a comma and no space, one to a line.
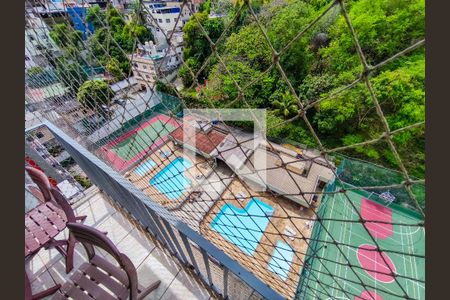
(113,38)
(134,30)
(96,16)
(383,27)
(71,73)
(165,88)
(113,68)
(285,104)
(197,47)
(65,36)
(190,65)
(313,86)
(318,63)
(95,93)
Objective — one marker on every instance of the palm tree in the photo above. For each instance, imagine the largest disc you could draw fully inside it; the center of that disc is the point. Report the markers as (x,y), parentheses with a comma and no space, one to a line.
(239,3)
(285,105)
(139,13)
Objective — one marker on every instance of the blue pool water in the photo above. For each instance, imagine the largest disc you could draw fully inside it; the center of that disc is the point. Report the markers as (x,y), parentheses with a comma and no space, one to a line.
(243,227)
(171,180)
(281,260)
(144,167)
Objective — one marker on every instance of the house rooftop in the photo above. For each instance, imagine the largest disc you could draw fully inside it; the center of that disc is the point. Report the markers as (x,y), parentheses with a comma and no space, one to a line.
(203,140)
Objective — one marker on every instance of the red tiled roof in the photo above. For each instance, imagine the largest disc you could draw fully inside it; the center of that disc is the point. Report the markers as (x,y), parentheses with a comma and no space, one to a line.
(205,142)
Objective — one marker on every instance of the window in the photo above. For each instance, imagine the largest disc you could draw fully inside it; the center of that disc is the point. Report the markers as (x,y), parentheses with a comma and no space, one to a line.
(39,135)
(167,20)
(160,20)
(175,20)
(31,38)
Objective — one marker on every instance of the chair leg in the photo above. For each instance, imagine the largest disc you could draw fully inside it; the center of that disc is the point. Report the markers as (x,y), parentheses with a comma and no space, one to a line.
(70,252)
(40,295)
(46,293)
(58,245)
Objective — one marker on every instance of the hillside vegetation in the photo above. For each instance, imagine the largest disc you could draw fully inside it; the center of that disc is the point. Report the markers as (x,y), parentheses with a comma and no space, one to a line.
(319,63)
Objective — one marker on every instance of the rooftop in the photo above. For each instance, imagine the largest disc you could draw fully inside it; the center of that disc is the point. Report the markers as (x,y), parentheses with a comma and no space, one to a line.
(202,141)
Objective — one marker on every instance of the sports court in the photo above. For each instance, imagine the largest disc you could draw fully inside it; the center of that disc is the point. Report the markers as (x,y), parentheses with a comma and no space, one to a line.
(128,148)
(369,275)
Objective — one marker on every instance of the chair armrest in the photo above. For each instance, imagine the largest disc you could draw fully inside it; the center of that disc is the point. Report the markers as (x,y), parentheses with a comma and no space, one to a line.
(81,219)
(142,294)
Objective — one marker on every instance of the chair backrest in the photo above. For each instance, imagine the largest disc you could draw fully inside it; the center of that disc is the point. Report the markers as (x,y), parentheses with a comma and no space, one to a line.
(64,204)
(41,180)
(90,237)
(50,192)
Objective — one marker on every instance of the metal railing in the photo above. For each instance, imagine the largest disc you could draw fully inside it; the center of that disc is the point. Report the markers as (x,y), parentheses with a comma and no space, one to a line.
(219,271)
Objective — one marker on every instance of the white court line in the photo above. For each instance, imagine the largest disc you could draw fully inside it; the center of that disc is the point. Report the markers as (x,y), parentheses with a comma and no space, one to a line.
(363,272)
(329,222)
(395,254)
(404,263)
(401,233)
(395,232)
(378,212)
(369,278)
(416,284)
(342,232)
(317,253)
(348,206)
(392,241)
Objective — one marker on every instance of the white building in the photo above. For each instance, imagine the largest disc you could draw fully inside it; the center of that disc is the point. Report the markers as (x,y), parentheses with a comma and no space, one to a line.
(37,41)
(164,15)
(155,62)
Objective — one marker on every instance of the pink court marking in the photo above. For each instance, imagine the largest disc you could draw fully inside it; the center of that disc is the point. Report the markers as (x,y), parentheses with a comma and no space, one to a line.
(371,211)
(119,163)
(369,295)
(373,263)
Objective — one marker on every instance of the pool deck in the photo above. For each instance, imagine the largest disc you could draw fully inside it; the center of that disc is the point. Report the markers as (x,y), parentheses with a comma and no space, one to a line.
(287,214)
(199,167)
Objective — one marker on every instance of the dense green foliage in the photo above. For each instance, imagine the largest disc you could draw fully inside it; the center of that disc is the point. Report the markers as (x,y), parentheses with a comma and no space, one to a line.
(71,74)
(83,181)
(114,39)
(197,47)
(94,93)
(68,66)
(320,62)
(165,88)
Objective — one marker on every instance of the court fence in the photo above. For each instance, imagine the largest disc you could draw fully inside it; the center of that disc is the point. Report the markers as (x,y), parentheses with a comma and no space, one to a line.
(378,180)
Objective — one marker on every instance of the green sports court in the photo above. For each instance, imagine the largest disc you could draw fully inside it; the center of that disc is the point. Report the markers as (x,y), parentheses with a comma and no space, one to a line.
(135,144)
(353,268)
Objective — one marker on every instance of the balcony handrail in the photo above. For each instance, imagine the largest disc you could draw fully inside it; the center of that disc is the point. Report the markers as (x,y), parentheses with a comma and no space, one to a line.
(100,173)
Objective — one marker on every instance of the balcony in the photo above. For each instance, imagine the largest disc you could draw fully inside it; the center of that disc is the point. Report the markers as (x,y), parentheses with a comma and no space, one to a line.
(153,262)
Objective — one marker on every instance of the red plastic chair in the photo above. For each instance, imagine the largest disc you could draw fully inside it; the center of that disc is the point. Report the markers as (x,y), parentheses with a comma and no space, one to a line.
(50,193)
(99,278)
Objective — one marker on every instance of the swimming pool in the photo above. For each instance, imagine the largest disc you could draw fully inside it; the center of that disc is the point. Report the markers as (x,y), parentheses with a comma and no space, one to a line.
(243,227)
(281,260)
(171,180)
(144,167)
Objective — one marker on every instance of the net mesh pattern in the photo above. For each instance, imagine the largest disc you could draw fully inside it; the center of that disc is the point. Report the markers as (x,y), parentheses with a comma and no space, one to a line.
(327,226)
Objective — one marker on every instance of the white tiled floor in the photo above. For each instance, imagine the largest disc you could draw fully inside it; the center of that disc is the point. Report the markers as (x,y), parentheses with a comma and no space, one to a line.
(152,263)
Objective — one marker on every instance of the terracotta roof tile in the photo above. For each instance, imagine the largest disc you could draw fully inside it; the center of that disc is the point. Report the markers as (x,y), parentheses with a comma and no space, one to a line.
(205,142)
